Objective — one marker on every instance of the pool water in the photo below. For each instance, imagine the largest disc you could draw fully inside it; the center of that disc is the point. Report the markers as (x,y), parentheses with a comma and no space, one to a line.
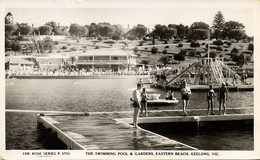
(93,95)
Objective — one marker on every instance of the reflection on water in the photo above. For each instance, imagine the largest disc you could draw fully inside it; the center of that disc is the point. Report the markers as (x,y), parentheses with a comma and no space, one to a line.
(87,95)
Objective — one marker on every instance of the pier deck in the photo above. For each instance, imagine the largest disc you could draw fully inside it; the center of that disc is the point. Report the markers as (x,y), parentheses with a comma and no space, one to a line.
(112,131)
(98,132)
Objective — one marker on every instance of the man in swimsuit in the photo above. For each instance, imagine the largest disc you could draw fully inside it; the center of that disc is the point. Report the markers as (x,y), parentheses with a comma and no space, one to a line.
(185,91)
(136,104)
(222,97)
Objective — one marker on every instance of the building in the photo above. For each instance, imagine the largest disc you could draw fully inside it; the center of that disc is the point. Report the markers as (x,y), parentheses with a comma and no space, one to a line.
(18,64)
(106,59)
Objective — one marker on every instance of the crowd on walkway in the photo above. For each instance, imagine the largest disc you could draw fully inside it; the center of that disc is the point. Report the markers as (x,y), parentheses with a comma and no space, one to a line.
(70,72)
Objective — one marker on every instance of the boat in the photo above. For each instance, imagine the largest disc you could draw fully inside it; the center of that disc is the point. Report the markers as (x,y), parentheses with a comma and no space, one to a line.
(162,102)
(153,99)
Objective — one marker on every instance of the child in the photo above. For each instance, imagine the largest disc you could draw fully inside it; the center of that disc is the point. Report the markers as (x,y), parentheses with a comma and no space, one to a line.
(210,97)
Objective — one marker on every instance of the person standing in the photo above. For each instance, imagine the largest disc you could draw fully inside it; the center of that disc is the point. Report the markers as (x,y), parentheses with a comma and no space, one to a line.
(144,98)
(185,91)
(210,97)
(136,104)
(222,97)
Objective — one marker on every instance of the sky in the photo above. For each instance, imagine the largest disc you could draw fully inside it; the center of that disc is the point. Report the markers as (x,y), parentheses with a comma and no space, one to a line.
(131,16)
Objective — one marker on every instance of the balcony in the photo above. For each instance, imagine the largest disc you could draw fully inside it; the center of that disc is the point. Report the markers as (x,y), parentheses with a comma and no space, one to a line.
(101,61)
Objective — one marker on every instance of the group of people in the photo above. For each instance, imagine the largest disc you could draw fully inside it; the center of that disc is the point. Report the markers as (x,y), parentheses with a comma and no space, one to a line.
(140,98)
(222,97)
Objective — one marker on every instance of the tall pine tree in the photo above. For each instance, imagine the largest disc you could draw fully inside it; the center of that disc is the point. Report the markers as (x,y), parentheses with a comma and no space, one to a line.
(218,24)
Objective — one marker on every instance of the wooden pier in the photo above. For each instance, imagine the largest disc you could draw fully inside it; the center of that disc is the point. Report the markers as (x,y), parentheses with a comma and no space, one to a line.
(113,130)
(98,132)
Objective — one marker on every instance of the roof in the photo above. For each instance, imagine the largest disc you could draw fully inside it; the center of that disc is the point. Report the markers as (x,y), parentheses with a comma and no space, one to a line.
(18,61)
(110,52)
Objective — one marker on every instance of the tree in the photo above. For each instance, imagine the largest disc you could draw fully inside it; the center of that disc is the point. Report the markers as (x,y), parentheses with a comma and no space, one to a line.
(194,44)
(47,44)
(237,34)
(10,29)
(145,62)
(73,59)
(164,32)
(116,37)
(106,30)
(199,25)
(12,45)
(93,30)
(199,30)
(164,60)
(232,25)
(199,34)
(45,30)
(138,31)
(182,31)
(250,47)
(25,29)
(218,24)
(131,37)
(154,50)
(239,59)
(9,18)
(77,30)
(56,29)
(234,50)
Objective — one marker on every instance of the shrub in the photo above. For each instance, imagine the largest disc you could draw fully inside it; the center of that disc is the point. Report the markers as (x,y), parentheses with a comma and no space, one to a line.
(218,42)
(165,42)
(154,50)
(192,53)
(198,53)
(221,55)
(20,38)
(64,47)
(179,57)
(189,40)
(184,52)
(136,50)
(109,42)
(69,44)
(84,51)
(219,49)
(56,42)
(97,47)
(74,48)
(180,45)
(213,54)
(166,46)
(225,50)
(145,48)
(165,51)
(229,43)
(141,43)
(250,47)
(100,38)
(203,43)
(85,47)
